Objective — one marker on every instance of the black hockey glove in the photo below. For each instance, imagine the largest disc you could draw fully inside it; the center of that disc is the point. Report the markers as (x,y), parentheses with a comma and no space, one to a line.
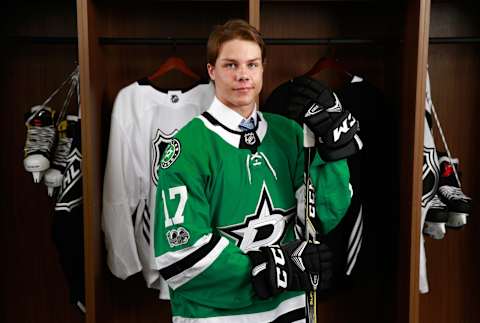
(289,267)
(335,127)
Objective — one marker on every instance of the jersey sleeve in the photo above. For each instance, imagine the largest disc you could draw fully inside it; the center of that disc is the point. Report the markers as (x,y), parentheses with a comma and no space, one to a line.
(120,200)
(332,188)
(195,260)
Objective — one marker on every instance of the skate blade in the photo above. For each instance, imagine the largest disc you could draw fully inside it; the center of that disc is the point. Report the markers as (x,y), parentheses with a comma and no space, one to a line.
(37,176)
(436,230)
(456,220)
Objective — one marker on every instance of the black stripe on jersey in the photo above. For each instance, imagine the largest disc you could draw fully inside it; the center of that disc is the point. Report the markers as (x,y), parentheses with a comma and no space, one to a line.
(146,217)
(215,122)
(292,316)
(145,235)
(190,260)
(134,215)
(146,223)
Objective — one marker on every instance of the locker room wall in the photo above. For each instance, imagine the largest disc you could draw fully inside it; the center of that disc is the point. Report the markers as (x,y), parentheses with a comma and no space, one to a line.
(33,286)
(103,32)
(452,263)
(107,67)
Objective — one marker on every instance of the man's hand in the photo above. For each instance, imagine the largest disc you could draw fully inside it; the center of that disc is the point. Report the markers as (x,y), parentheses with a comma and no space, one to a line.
(291,267)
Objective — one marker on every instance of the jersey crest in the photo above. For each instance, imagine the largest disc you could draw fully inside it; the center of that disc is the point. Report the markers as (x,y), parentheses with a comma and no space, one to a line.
(265,227)
(159,144)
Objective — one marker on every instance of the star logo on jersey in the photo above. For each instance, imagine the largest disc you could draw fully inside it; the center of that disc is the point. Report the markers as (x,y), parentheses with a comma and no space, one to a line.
(265,227)
(159,144)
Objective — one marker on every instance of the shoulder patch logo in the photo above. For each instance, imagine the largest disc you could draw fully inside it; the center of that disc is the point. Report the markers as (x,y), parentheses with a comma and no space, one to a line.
(177,237)
(171,154)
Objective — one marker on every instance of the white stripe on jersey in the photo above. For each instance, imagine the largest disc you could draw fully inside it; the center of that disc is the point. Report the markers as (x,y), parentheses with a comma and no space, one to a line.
(192,272)
(269,316)
(172,257)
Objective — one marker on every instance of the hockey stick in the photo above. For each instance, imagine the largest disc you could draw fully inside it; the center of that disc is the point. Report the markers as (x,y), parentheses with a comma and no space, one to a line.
(310,218)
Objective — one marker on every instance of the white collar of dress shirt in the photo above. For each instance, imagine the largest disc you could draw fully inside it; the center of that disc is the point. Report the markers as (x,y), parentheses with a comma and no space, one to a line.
(228,117)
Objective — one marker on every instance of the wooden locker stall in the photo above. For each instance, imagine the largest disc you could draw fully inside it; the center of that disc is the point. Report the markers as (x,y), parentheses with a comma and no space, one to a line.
(454,64)
(380,42)
(39,52)
(126,41)
(120,42)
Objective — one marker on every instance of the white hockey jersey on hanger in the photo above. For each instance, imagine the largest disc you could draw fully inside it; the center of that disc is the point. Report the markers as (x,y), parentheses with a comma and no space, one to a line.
(144,119)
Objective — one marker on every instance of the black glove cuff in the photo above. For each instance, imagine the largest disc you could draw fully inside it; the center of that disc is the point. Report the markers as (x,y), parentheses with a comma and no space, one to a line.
(332,154)
(259,275)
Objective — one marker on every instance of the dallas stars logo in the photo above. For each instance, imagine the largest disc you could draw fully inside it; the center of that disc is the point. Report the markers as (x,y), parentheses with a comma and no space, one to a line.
(159,144)
(263,228)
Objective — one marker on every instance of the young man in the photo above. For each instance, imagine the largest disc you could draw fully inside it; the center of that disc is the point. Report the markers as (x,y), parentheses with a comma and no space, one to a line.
(227,200)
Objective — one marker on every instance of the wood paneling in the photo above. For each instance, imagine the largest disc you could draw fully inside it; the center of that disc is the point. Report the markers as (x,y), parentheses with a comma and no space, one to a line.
(35,290)
(452,263)
(254,13)
(411,152)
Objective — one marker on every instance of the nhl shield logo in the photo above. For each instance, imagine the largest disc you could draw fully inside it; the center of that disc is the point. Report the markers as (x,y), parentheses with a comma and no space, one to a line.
(249,138)
(159,144)
(430,174)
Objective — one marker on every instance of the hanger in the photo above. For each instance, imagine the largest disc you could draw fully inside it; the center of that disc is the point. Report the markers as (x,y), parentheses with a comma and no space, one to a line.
(328,62)
(174,63)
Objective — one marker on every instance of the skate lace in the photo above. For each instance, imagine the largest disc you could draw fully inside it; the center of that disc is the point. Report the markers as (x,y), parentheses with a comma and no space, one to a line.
(453,193)
(62,150)
(437,203)
(39,139)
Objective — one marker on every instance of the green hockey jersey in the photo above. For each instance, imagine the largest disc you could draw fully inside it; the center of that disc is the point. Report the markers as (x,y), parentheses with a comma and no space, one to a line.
(221,193)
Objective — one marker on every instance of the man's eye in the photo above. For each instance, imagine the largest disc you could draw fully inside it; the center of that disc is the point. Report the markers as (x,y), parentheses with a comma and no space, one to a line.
(252,65)
(230,66)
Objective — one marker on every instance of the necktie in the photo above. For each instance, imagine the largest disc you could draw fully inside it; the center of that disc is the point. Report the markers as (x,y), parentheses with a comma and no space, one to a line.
(246,125)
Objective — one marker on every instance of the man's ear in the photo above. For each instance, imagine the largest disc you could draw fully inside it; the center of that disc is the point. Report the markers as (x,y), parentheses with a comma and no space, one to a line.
(211,71)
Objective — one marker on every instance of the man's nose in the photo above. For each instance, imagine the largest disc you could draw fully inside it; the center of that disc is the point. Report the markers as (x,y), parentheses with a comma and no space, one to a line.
(242,74)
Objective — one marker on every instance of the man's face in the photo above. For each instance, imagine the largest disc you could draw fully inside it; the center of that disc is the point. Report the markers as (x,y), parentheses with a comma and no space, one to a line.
(238,74)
